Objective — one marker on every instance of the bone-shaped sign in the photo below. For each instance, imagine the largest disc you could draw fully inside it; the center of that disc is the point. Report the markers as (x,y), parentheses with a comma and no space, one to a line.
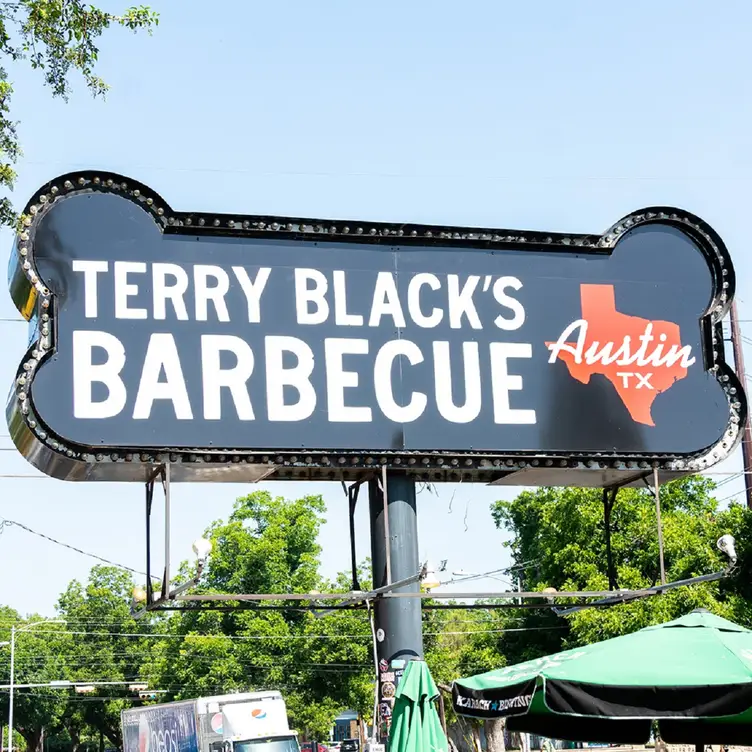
(238,347)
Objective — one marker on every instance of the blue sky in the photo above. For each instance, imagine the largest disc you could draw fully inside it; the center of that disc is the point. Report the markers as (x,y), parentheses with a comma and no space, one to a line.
(541,115)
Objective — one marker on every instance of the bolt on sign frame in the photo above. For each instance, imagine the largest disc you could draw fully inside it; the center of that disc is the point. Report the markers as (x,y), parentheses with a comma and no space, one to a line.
(238,348)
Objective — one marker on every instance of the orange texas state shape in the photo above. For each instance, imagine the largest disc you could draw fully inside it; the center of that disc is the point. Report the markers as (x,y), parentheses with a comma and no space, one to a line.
(641,358)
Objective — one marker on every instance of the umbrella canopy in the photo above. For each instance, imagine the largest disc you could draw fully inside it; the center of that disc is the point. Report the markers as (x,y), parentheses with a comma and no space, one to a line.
(693,674)
(415,723)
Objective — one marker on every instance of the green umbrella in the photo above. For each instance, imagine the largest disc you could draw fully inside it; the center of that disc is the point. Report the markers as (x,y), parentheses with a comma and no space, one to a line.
(694,675)
(415,723)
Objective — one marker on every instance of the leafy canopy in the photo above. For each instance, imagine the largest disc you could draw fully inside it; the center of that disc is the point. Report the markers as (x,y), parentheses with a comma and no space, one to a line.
(57,38)
(558,539)
(322,664)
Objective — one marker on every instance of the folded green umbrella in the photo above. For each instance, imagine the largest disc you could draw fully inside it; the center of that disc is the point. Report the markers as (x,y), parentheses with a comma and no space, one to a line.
(693,675)
(415,723)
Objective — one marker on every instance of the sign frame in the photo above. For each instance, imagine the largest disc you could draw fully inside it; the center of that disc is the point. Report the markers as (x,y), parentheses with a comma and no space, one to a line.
(55,455)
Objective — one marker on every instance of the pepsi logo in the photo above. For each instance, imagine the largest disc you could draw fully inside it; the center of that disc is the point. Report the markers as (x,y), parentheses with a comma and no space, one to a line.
(216,723)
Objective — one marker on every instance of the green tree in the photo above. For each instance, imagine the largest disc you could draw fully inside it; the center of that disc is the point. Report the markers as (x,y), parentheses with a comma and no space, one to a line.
(334,667)
(56,37)
(559,540)
(462,643)
(322,664)
(39,658)
(102,644)
(71,727)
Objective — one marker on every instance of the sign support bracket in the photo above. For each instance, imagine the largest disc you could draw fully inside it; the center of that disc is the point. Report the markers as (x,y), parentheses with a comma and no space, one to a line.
(165,477)
(609,499)
(655,491)
(167,593)
(387,537)
(352,493)
(149,499)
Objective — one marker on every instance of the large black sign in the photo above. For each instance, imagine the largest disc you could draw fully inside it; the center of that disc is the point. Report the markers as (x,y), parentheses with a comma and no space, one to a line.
(304,347)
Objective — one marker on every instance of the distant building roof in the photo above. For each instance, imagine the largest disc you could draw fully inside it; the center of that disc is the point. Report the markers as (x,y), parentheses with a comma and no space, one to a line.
(347,715)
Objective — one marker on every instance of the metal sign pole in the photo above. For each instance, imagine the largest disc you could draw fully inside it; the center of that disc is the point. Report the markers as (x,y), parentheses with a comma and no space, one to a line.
(397,621)
(736,341)
(660,526)
(11,688)
(387,536)
(166,487)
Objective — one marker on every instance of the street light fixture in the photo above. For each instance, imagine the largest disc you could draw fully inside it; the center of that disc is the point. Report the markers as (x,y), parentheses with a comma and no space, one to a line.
(550,591)
(202,548)
(429,579)
(727,545)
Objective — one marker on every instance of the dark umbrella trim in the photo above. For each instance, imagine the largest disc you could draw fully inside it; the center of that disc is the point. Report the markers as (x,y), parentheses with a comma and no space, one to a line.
(496,702)
(702,732)
(575,729)
(610,701)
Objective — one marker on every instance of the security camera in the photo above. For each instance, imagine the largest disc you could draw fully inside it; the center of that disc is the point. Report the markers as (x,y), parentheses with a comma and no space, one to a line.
(727,545)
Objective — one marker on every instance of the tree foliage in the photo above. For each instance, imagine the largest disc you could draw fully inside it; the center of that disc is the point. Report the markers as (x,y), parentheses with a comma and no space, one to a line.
(559,541)
(98,619)
(56,38)
(39,654)
(323,661)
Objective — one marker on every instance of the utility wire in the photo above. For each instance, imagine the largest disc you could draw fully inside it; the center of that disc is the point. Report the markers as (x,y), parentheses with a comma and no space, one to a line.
(731,496)
(12,523)
(146,635)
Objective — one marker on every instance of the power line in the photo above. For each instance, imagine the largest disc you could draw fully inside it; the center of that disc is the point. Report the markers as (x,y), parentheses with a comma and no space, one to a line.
(197,657)
(152,635)
(12,523)
(726,498)
(83,622)
(730,479)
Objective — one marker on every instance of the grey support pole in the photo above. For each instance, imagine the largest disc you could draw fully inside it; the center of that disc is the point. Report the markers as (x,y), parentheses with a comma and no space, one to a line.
(398,620)
(394,555)
(10,693)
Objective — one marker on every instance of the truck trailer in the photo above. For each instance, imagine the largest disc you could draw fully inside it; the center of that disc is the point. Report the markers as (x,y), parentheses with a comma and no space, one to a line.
(243,722)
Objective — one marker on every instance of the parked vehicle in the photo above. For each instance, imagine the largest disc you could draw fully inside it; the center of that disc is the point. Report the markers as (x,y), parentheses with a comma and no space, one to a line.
(244,722)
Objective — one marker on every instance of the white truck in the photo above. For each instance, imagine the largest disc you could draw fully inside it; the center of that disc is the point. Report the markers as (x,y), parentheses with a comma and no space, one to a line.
(243,722)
